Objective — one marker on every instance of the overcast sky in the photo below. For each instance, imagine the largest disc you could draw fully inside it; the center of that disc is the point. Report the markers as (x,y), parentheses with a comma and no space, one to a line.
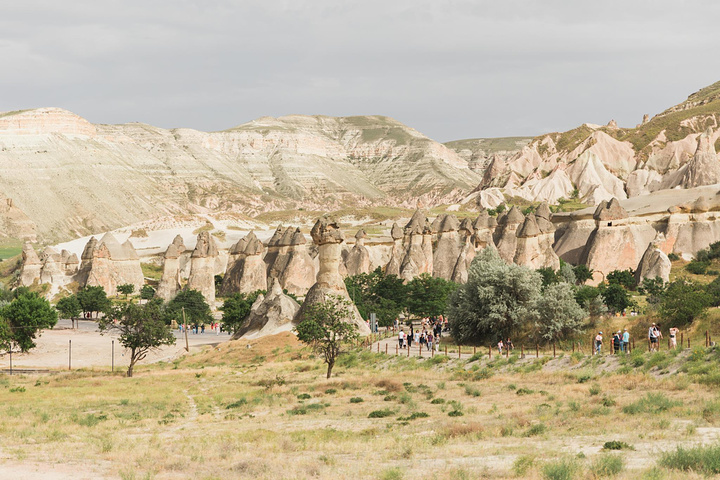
(450,69)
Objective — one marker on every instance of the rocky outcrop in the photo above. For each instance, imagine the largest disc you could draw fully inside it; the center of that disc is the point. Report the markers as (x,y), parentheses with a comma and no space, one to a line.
(447,249)
(466,232)
(270,314)
(298,274)
(505,235)
(31,266)
(704,168)
(107,263)
(202,267)
(170,283)
(397,253)
(654,262)
(246,274)
(358,259)
(534,242)
(484,226)
(326,234)
(416,261)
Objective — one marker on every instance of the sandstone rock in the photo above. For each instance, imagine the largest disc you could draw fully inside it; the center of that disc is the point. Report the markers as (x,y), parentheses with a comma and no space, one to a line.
(202,268)
(534,244)
(467,252)
(505,236)
(270,314)
(448,247)
(31,266)
(484,226)
(326,234)
(247,273)
(609,211)
(416,260)
(654,262)
(299,272)
(358,259)
(170,284)
(704,168)
(397,253)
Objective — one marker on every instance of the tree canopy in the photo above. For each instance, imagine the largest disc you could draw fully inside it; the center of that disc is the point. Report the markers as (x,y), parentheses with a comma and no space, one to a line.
(22,319)
(236,309)
(93,299)
(197,311)
(376,292)
(427,296)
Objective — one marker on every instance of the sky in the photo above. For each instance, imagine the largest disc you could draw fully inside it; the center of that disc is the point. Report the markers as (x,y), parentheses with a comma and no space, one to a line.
(450,69)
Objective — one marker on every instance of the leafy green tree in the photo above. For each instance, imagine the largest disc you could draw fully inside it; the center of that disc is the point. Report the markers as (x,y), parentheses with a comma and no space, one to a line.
(624,278)
(141,329)
(326,329)
(548,276)
(616,297)
(197,311)
(498,299)
(582,274)
(147,292)
(236,309)
(713,290)
(69,307)
(23,319)
(559,315)
(567,273)
(93,299)
(126,289)
(683,302)
(590,299)
(697,268)
(376,292)
(428,295)
(653,288)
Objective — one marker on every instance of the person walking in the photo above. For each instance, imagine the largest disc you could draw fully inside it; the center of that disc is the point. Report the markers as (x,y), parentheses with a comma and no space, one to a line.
(598,343)
(500,346)
(401,339)
(654,337)
(429,341)
(625,346)
(617,342)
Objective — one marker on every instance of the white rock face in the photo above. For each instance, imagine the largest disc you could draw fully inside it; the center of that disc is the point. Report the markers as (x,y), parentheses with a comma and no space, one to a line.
(654,263)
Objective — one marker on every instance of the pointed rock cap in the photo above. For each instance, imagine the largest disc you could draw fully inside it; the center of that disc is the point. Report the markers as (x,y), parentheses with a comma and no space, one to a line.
(326,230)
(179,242)
(611,210)
(89,248)
(360,234)
(172,251)
(72,259)
(49,252)
(543,211)
(287,236)
(205,246)
(117,252)
(513,217)
(545,226)
(529,227)
(396,232)
(298,238)
(482,220)
(449,223)
(239,247)
(612,124)
(275,288)
(467,226)
(705,143)
(30,256)
(428,230)
(276,236)
(64,255)
(416,223)
(129,249)
(254,246)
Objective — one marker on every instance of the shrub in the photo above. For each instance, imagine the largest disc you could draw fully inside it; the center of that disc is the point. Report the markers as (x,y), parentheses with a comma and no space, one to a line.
(704,459)
(472,391)
(238,404)
(522,464)
(381,413)
(524,391)
(607,466)
(437,401)
(652,402)
(330,391)
(697,268)
(356,400)
(305,409)
(617,445)
(455,413)
(537,429)
(413,416)
(673,257)
(304,396)
(594,390)
(564,469)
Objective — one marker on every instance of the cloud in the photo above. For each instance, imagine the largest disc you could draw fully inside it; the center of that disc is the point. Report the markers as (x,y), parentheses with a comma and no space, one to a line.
(451,69)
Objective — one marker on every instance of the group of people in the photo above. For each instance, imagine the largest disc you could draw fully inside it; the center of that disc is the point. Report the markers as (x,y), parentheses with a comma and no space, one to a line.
(425,338)
(199,329)
(621,340)
(507,346)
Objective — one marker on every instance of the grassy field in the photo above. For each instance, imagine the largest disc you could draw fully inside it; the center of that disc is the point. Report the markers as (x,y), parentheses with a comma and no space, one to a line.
(268,412)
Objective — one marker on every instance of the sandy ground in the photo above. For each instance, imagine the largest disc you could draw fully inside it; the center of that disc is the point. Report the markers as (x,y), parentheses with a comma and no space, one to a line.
(85,348)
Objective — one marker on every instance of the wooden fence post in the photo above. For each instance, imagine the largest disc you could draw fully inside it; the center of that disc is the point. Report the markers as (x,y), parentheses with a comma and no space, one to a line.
(682,340)
(419,349)
(707,342)
(537,351)
(553,349)
(522,351)
(386,347)
(459,348)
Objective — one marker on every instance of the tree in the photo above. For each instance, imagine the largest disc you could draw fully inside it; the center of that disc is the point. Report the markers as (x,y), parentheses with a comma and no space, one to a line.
(93,299)
(653,288)
(548,276)
(559,315)
(236,309)
(141,329)
(23,318)
(126,289)
(427,296)
(326,328)
(197,311)
(683,302)
(376,292)
(147,292)
(616,297)
(69,307)
(582,274)
(624,278)
(590,299)
(498,299)
(567,273)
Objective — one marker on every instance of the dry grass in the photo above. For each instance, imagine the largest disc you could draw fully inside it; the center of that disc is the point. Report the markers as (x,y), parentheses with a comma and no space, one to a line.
(232,412)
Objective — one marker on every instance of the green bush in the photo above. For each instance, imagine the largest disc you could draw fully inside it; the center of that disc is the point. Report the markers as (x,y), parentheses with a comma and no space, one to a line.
(535,430)
(381,413)
(697,268)
(304,396)
(651,403)
(703,459)
(356,400)
(413,416)
(522,464)
(524,391)
(565,469)
(330,391)
(617,445)
(607,466)
(437,401)
(238,404)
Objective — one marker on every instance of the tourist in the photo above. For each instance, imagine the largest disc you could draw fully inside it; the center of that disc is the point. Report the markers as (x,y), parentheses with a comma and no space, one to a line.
(500,346)
(654,336)
(673,337)
(423,339)
(617,342)
(625,341)
(429,341)
(598,343)
(401,339)
(509,345)
(409,337)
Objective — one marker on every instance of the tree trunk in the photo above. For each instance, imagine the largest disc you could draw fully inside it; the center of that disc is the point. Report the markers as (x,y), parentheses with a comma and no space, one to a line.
(330,367)
(130,369)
